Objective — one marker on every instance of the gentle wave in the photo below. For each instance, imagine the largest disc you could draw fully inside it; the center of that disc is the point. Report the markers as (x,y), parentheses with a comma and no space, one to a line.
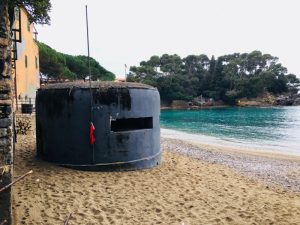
(274,128)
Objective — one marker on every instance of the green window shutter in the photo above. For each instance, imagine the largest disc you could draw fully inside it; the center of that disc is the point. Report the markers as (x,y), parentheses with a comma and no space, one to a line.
(17,10)
(26,61)
(36,62)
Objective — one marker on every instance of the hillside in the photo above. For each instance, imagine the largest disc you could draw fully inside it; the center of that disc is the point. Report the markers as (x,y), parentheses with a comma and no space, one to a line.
(227,78)
(58,66)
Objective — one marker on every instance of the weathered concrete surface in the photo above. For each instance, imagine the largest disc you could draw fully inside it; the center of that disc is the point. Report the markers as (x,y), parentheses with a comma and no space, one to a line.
(126,120)
(6,149)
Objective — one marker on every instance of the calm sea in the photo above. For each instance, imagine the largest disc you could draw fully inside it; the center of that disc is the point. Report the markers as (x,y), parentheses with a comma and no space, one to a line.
(275,128)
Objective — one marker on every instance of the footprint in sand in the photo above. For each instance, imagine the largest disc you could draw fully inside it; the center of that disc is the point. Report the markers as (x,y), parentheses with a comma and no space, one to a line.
(55,196)
(80,214)
(228,219)
(111,220)
(100,218)
(158,210)
(111,211)
(121,210)
(96,211)
(217,220)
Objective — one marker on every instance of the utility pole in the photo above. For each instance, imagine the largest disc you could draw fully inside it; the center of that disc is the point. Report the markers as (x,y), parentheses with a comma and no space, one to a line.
(92,128)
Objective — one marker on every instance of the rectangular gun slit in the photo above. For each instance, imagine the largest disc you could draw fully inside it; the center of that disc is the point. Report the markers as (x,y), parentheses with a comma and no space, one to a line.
(128,124)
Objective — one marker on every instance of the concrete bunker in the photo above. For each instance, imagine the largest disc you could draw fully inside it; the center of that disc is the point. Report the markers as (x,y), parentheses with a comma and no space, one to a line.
(125,117)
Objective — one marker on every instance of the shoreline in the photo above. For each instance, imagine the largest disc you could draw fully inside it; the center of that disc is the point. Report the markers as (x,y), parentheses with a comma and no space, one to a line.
(194,107)
(224,106)
(282,173)
(224,145)
(271,168)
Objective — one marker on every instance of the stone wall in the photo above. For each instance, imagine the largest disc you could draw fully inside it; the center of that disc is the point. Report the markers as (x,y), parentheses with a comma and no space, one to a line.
(6,108)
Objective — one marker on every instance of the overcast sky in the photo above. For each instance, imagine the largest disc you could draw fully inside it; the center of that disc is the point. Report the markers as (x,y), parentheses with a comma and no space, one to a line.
(127,32)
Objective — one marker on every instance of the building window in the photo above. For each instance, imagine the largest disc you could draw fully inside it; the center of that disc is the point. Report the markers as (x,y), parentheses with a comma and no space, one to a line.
(26,61)
(36,62)
(17,11)
(28,25)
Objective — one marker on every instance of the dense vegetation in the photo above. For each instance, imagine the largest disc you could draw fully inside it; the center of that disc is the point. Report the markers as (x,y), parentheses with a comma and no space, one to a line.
(226,78)
(57,65)
(38,11)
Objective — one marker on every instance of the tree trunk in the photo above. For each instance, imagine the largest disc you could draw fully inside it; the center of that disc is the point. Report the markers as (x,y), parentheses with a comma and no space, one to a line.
(6,108)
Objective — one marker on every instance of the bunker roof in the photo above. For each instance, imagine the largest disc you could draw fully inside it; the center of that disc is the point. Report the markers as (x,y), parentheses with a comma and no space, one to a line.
(97,85)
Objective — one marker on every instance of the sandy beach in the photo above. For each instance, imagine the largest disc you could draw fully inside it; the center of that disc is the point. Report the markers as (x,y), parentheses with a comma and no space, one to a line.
(193,185)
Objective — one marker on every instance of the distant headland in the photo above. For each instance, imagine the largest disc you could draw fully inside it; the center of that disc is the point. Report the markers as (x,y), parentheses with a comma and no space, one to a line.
(244,79)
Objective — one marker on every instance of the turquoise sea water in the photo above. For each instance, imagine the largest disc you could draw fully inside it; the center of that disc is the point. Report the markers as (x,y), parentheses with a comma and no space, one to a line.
(275,128)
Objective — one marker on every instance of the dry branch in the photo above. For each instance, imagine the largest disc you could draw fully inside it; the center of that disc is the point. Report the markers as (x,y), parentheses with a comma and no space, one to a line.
(23,125)
(16,180)
(67,219)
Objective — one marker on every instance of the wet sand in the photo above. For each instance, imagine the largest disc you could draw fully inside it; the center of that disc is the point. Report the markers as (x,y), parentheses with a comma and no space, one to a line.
(181,190)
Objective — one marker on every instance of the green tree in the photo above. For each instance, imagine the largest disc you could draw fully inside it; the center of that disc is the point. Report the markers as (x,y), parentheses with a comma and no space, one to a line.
(98,72)
(38,11)
(170,64)
(62,66)
(226,78)
(194,64)
(50,62)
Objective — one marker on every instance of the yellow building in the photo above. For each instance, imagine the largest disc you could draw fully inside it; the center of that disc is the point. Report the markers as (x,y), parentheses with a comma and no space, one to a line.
(26,54)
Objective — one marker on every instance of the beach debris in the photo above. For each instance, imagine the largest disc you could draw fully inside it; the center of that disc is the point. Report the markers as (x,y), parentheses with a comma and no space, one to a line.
(23,124)
(4,169)
(68,218)
(15,181)
(3,222)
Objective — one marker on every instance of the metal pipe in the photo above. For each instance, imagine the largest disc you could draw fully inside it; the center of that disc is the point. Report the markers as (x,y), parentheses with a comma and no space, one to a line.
(90,74)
